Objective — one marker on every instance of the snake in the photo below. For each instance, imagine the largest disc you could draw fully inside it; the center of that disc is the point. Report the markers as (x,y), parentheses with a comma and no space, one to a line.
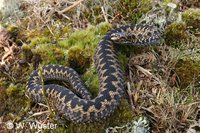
(74,102)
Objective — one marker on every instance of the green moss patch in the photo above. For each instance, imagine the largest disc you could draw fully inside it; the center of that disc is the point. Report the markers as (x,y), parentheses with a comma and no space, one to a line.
(176,33)
(188,72)
(192,18)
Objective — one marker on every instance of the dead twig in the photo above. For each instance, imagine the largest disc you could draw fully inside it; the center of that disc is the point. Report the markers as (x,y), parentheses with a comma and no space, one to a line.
(104,14)
(130,95)
(70,7)
(147,73)
(39,113)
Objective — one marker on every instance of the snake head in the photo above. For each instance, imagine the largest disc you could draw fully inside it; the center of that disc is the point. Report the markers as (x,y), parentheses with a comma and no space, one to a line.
(136,35)
(121,37)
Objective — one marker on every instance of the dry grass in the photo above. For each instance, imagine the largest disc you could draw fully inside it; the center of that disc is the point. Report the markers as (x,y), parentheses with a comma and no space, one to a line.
(9,49)
(156,94)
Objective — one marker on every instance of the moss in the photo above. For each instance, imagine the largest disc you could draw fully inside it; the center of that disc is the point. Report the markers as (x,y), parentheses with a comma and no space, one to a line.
(39,40)
(188,72)
(79,59)
(13,30)
(12,100)
(82,38)
(31,34)
(86,38)
(14,90)
(1,16)
(81,45)
(27,53)
(192,18)
(34,43)
(50,53)
(91,80)
(11,89)
(2,83)
(122,115)
(77,50)
(103,28)
(175,33)
(3,96)
(123,60)
(126,8)
(168,1)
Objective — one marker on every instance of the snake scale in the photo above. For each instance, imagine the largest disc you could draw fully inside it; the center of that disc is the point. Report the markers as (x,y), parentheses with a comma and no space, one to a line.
(76,104)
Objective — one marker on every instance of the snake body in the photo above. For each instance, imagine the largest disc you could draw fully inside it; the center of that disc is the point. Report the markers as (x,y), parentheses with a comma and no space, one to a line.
(76,104)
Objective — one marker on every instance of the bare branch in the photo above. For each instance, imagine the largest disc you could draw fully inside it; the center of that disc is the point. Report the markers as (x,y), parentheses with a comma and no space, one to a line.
(70,7)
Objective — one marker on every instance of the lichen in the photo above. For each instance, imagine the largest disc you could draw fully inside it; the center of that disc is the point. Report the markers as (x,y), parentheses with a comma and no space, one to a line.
(8,7)
(141,125)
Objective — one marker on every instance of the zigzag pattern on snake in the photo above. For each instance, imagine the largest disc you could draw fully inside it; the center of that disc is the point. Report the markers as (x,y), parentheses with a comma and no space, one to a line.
(79,107)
